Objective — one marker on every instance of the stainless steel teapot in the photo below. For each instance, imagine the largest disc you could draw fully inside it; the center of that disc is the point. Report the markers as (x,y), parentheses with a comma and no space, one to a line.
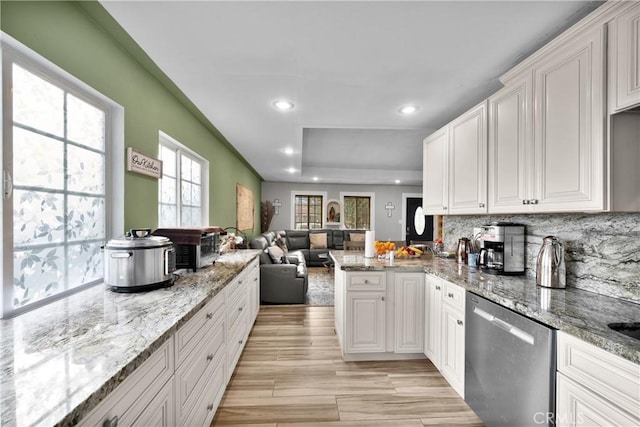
(550,267)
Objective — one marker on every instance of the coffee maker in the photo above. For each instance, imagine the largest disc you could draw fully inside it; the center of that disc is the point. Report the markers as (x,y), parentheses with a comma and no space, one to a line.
(502,248)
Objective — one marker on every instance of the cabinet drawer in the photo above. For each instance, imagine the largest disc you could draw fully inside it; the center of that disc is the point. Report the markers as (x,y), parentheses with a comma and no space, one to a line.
(366,281)
(235,310)
(144,383)
(612,377)
(191,333)
(208,401)
(198,367)
(235,343)
(453,295)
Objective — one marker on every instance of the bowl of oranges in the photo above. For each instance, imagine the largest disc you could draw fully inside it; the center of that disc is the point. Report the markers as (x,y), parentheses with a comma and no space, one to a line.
(382,248)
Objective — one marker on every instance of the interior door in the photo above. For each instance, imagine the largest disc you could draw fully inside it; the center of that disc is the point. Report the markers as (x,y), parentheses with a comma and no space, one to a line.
(420,226)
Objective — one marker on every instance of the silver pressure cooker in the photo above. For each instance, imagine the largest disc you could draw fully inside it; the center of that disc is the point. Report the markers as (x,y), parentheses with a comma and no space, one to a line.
(139,262)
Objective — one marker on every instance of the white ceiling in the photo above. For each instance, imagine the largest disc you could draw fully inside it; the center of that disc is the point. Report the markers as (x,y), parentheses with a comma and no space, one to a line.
(347,65)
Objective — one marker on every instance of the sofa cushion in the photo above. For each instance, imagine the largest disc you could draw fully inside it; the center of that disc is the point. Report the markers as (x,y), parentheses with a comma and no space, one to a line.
(276,254)
(317,240)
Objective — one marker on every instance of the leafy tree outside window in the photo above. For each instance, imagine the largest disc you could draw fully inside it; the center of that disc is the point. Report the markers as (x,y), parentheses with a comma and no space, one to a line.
(308,212)
(357,212)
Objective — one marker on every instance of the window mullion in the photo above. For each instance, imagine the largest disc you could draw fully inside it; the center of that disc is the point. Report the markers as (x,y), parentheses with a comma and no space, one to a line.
(65,204)
(178,187)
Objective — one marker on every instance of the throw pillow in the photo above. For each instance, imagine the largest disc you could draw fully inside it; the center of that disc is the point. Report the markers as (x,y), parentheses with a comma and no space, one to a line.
(356,237)
(281,242)
(276,254)
(317,240)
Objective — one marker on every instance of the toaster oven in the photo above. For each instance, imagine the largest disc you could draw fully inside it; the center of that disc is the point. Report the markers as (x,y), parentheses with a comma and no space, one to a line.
(194,247)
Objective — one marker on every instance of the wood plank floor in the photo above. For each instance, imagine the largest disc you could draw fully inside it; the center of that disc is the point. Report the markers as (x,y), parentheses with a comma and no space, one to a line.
(291,374)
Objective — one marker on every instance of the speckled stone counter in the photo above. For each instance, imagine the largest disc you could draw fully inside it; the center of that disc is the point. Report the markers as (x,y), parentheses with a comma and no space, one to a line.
(59,361)
(580,313)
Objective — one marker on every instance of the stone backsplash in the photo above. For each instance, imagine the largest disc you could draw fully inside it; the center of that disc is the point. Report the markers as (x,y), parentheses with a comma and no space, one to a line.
(602,251)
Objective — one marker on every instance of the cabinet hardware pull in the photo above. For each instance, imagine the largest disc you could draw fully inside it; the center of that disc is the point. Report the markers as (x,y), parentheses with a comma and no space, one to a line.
(460,322)
(525,202)
(240,342)
(450,295)
(437,287)
(444,208)
(240,309)
(382,298)
(482,205)
(366,281)
(209,315)
(209,357)
(210,407)
(113,422)
(534,201)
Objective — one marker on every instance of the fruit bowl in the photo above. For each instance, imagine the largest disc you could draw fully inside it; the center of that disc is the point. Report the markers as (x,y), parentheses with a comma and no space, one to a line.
(408,252)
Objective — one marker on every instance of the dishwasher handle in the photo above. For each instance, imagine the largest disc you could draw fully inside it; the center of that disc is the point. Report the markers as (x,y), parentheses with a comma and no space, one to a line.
(516,332)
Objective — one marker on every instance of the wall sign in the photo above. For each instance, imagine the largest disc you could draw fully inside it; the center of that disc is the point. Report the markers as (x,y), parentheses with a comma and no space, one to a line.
(143,164)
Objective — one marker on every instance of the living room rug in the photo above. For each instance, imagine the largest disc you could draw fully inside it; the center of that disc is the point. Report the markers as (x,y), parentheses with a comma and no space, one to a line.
(320,291)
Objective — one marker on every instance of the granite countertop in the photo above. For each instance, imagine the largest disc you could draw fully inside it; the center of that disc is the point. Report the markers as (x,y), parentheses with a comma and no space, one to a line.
(59,361)
(580,313)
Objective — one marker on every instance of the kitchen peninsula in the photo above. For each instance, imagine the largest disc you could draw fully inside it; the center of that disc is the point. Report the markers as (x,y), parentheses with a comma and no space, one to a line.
(67,360)
(574,311)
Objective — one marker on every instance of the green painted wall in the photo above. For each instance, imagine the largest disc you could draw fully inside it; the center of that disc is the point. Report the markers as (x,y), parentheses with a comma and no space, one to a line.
(84,40)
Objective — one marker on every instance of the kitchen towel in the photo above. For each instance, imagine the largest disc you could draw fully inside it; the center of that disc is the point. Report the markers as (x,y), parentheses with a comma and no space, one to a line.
(369,244)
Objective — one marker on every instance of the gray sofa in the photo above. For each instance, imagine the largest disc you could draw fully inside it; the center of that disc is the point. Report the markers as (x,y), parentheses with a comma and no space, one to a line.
(285,281)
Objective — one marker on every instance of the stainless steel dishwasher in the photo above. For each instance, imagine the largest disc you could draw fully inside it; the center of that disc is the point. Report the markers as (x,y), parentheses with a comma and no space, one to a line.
(509,366)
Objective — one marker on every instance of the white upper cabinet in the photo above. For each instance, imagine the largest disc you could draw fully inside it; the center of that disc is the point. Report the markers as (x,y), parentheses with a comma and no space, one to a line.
(624,59)
(569,125)
(510,148)
(435,191)
(546,131)
(455,171)
(468,162)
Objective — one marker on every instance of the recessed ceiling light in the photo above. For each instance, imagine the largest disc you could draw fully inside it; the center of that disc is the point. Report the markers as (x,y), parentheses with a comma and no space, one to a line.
(283,104)
(397,181)
(315,178)
(409,109)
(291,170)
(288,151)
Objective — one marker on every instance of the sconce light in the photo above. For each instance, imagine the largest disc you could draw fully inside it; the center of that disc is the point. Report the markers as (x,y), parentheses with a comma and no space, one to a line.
(277,204)
(389,207)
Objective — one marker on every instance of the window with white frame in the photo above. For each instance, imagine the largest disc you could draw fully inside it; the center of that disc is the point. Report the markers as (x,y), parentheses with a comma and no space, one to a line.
(183,189)
(57,161)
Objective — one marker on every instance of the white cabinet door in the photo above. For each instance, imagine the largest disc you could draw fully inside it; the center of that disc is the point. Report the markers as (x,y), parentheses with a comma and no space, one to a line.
(433,305)
(510,149)
(577,406)
(160,412)
(468,162)
(435,173)
(624,65)
(409,312)
(569,125)
(365,322)
(452,355)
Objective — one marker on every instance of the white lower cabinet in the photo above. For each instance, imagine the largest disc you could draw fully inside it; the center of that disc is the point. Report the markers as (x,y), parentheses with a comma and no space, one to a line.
(595,387)
(183,381)
(366,322)
(409,313)
(433,320)
(444,329)
(379,315)
(452,348)
(578,406)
